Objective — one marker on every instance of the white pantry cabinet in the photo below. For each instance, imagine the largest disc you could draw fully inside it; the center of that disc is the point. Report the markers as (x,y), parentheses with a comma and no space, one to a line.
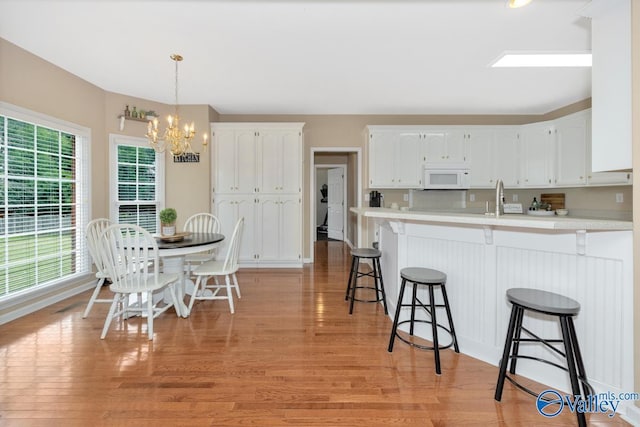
(280,226)
(228,209)
(280,166)
(257,174)
(235,154)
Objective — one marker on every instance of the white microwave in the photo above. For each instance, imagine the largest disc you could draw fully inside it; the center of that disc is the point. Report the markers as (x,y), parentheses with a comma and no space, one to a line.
(446,177)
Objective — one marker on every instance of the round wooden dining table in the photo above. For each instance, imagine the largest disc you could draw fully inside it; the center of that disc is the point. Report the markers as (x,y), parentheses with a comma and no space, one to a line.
(173,250)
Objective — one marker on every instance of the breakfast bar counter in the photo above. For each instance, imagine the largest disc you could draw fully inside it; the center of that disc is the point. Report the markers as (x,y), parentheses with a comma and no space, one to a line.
(589,260)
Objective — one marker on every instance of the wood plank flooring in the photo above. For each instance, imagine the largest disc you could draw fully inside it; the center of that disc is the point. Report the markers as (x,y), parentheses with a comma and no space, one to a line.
(291,355)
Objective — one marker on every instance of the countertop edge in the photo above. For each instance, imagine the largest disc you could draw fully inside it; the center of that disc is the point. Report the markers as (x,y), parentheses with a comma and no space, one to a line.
(508,220)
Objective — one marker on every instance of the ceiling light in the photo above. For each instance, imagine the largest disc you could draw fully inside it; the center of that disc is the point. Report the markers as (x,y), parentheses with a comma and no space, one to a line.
(543,60)
(518,3)
(177,140)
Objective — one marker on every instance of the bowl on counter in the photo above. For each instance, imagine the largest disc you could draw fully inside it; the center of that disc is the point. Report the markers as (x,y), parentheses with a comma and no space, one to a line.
(562,212)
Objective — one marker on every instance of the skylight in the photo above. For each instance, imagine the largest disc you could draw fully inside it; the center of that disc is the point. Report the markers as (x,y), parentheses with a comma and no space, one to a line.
(543,60)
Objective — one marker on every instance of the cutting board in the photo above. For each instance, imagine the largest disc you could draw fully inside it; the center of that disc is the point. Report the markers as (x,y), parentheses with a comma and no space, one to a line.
(556,200)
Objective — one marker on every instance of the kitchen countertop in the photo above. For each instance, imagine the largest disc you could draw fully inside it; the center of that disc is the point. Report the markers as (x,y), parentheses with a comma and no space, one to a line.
(567,223)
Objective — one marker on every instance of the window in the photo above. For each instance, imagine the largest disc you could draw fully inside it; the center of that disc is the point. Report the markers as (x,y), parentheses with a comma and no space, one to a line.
(43,201)
(138,185)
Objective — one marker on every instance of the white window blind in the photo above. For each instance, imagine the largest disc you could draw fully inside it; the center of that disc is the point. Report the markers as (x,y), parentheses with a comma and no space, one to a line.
(138,185)
(43,202)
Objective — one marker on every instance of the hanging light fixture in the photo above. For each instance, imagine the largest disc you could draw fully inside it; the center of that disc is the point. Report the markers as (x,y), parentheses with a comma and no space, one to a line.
(518,3)
(174,138)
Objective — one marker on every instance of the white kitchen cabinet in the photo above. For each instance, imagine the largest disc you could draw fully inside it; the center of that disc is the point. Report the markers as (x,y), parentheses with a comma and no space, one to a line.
(252,159)
(611,85)
(280,160)
(235,159)
(571,145)
(279,219)
(447,145)
(493,154)
(408,160)
(609,178)
(537,155)
(228,209)
(395,159)
(507,155)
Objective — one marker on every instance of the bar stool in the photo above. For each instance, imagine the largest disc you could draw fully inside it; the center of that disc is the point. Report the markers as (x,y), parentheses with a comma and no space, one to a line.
(378,285)
(553,305)
(419,276)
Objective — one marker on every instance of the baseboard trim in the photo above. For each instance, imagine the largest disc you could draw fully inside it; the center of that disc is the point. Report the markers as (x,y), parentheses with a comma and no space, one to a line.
(38,303)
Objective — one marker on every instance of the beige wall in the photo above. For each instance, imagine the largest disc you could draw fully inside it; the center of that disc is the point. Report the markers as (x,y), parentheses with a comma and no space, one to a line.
(187,184)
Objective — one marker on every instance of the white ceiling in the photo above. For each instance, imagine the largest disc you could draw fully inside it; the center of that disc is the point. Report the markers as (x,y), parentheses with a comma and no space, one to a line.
(312,57)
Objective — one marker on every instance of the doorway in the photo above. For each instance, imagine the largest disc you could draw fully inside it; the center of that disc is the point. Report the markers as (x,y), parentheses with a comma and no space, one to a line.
(349,160)
(331,206)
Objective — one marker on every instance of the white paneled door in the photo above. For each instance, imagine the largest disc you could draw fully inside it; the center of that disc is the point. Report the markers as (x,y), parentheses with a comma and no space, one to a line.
(335,203)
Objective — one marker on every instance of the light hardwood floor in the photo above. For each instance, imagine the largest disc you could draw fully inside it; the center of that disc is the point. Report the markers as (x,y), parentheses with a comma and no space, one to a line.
(291,355)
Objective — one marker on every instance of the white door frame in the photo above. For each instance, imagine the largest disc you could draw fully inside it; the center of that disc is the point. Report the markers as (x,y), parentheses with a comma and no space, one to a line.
(344,168)
(313,189)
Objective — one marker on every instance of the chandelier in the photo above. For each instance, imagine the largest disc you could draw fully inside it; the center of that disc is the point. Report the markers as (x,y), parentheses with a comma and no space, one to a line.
(176,139)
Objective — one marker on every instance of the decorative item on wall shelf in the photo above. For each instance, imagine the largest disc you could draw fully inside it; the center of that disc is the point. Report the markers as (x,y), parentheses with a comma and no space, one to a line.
(141,116)
(168,218)
(177,140)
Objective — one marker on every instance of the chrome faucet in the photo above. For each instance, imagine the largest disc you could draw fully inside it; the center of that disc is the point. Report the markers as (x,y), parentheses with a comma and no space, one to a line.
(499,198)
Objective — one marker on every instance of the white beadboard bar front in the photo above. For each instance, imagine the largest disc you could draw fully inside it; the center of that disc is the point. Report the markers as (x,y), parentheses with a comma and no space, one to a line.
(585,259)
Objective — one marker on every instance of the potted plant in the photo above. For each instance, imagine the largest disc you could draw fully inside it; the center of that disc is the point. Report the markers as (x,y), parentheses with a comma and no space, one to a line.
(168,218)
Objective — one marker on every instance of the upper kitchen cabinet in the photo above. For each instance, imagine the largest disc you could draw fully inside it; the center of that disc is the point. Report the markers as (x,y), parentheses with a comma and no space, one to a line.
(235,160)
(611,84)
(395,158)
(445,145)
(571,144)
(537,158)
(493,154)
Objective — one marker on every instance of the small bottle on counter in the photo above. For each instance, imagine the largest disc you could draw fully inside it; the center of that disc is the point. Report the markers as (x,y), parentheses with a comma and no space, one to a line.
(127,112)
(534,205)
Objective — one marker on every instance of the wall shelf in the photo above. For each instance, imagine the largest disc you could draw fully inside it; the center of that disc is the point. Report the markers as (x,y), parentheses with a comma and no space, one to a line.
(136,119)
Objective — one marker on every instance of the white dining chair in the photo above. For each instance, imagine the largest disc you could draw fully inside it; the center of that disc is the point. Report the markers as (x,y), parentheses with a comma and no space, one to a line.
(130,255)
(200,223)
(93,233)
(215,268)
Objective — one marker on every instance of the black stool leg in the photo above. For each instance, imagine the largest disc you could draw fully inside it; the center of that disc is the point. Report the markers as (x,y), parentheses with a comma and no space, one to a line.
(578,355)
(397,316)
(573,375)
(413,306)
(384,295)
(353,263)
(434,329)
(505,354)
(516,340)
(450,318)
(356,268)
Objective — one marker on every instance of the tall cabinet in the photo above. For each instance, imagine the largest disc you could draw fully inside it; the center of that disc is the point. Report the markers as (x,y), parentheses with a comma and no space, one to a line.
(257,174)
